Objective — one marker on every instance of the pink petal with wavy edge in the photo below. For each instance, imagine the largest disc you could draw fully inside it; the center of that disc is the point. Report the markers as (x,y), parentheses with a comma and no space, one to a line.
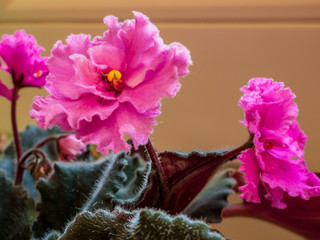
(5,91)
(141,40)
(108,134)
(21,54)
(61,81)
(278,142)
(252,175)
(291,176)
(112,57)
(182,58)
(68,114)
(158,84)
(87,79)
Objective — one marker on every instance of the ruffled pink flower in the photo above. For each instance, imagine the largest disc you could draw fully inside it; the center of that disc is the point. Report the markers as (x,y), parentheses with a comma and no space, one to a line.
(112,85)
(277,156)
(21,54)
(70,147)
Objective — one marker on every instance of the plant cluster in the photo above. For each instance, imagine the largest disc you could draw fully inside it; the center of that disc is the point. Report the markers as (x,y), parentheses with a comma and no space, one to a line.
(75,176)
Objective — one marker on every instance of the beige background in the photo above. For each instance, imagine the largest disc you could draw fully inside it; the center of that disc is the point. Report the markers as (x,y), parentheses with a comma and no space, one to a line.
(230,41)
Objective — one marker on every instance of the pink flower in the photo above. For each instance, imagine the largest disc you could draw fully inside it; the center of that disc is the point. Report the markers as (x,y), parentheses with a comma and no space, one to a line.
(5,91)
(112,85)
(21,54)
(70,147)
(277,156)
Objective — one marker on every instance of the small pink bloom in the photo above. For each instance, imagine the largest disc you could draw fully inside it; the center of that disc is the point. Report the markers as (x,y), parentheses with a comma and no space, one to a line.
(69,147)
(112,85)
(21,54)
(277,156)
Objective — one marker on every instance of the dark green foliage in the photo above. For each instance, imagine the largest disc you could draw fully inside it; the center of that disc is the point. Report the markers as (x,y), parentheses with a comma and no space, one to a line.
(54,235)
(17,211)
(150,224)
(100,225)
(209,203)
(29,137)
(88,186)
(136,225)
(65,193)
(137,172)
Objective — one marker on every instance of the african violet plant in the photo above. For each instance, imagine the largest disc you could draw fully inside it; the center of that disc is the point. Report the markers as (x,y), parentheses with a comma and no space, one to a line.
(76,177)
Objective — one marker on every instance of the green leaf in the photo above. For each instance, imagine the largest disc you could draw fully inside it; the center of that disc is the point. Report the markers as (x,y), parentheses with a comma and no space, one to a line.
(17,211)
(137,172)
(118,179)
(29,137)
(54,235)
(65,193)
(136,225)
(208,204)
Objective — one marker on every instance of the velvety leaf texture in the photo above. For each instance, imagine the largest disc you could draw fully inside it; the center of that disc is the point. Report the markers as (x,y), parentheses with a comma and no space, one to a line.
(29,137)
(65,193)
(17,211)
(118,179)
(137,172)
(136,225)
(209,203)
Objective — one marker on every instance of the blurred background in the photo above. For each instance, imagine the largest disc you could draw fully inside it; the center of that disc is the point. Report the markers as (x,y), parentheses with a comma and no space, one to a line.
(231,41)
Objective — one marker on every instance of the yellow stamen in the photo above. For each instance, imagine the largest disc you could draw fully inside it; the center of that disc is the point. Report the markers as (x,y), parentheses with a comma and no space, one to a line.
(114,75)
(37,74)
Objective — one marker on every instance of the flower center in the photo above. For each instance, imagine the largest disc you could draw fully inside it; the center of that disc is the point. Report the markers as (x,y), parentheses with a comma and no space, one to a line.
(113,80)
(268,145)
(37,74)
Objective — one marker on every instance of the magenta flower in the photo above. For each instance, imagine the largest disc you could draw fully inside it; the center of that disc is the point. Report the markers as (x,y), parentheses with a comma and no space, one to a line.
(70,147)
(5,91)
(112,85)
(277,156)
(21,54)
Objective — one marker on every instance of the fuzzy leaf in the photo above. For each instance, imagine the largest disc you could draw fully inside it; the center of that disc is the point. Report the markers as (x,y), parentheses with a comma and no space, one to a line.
(137,172)
(17,211)
(209,203)
(119,179)
(136,225)
(110,182)
(29,137)
(182,170)
(65,193)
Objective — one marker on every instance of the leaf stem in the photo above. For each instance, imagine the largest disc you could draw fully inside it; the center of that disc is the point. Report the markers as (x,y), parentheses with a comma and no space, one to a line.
(156,163)
(235,152)
(49,139)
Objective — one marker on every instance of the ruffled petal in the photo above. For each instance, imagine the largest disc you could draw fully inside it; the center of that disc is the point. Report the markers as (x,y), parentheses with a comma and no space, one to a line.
(161,82)
(291,176)
(60,80)
(109,133)
(252,175)
(68,114)
(113,58)
(87,79)
(21,54)
(5,91)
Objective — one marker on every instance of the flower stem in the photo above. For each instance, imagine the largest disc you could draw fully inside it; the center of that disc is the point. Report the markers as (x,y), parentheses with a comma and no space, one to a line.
(49,139)
(156,163)
(16,135)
